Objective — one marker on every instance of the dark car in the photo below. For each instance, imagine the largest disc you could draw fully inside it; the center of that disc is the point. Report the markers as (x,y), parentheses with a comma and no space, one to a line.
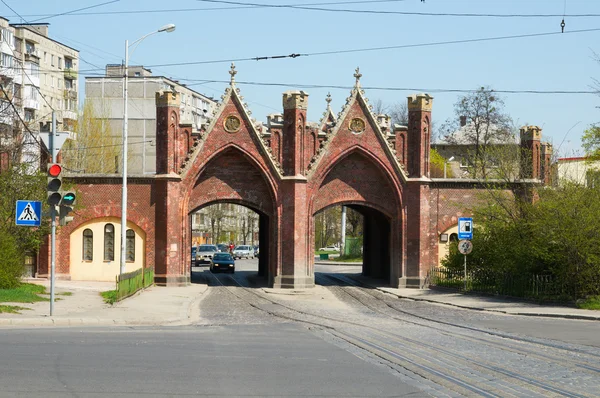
(222,262)
(223,248)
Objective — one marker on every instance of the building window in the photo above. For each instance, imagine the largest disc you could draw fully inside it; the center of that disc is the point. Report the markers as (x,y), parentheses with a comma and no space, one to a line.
(88,244)
(45,57)
(68,63)
(52,60)
(130,245)
(6,61)
(59,63)
(29,115)
(29,47)
(69,84)
(109,242)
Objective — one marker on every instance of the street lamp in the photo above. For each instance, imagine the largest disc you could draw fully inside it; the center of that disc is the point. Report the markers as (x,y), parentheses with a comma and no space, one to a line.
(167,28)
(445,163)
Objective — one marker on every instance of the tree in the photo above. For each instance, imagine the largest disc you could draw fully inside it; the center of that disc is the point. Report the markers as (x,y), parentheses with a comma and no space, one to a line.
(480,124)
(95,149)
(591,142)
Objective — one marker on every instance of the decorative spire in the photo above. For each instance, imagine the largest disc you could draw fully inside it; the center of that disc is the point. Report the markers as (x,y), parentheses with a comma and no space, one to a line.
(328,99)
(357,75)
(232,72)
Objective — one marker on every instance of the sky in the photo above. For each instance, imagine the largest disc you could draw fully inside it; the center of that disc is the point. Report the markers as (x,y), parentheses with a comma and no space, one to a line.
(211,33)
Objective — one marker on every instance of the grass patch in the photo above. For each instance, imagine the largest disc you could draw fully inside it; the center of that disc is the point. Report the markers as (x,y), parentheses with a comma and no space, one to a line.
(317,252)
(25,293)
(591,303)
(348,259)
(110,296)
(11,309)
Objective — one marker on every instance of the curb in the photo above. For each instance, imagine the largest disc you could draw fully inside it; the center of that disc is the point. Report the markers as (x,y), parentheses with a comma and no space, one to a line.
(538,314)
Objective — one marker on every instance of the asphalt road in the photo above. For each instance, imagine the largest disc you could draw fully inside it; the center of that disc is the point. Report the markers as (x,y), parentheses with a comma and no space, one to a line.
(338,341)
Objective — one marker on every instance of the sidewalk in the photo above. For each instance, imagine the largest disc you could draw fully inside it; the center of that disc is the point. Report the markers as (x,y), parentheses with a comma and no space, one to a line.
(180,305)
(152,306)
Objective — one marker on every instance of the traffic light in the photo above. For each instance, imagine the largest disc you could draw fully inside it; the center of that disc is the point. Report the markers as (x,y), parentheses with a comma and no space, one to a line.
(54,184)
(66,206)
(68,199)
(63,217)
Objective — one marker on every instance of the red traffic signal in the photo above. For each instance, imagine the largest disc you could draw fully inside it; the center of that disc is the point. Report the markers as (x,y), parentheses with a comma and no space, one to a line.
(54,170)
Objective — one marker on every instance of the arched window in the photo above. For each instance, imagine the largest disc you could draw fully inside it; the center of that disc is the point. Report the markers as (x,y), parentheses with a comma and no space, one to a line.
(88,245)
(453,238)
(130,245)
(109,242)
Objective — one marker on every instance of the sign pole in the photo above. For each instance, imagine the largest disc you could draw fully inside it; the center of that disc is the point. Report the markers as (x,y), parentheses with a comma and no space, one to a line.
(465,283)
(53,217)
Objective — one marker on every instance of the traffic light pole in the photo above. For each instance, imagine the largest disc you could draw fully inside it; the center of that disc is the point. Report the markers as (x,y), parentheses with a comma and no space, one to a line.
(53,218)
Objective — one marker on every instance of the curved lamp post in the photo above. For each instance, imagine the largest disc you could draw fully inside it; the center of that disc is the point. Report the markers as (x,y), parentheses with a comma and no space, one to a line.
(166,28)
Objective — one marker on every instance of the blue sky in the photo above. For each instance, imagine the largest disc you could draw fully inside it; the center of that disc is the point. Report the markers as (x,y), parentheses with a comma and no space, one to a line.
(554,62)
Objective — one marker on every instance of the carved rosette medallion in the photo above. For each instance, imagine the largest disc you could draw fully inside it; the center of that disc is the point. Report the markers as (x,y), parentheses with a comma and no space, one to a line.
(357,125)
(232,124)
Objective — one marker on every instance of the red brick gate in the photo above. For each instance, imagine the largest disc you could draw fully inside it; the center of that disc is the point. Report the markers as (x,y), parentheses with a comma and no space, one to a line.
(287,174)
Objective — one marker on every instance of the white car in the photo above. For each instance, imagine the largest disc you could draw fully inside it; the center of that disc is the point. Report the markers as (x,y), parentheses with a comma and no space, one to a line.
(329,249)
(243,251)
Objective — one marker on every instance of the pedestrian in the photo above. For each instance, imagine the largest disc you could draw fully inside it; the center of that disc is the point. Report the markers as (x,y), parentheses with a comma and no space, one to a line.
(231,247)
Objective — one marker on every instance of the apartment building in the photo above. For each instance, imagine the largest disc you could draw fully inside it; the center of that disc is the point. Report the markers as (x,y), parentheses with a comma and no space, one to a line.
(225,223)
(106,96)
(39,75)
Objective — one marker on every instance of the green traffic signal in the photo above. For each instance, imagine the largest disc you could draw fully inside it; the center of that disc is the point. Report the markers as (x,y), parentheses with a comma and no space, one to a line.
(68,199)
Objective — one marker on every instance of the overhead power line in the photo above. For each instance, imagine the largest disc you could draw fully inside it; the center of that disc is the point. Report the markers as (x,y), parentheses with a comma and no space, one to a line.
(376,88)
(387,12)
(355,50)
(72,11)
(314,7)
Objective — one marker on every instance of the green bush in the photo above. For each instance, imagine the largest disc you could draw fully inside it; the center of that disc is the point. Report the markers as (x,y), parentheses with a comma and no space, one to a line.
(11,261)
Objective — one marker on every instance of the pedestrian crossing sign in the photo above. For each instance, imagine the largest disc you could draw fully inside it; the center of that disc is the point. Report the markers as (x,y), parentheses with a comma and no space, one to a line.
(29,213)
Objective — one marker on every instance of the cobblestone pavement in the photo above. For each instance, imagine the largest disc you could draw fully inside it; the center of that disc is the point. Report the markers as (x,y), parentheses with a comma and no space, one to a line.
(444,351)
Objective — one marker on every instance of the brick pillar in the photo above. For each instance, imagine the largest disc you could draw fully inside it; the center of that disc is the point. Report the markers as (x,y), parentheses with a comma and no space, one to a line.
(295,271)
(167,126)
(546,172)
(416,195)
(171,249)
(531,152)
(419,134)
(400,144)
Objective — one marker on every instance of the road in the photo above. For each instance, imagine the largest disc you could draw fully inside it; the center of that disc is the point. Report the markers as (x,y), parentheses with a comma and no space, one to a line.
(339,340)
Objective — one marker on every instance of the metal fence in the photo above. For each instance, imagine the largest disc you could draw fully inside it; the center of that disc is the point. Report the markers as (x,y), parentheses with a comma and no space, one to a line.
(131,282)
(542,287)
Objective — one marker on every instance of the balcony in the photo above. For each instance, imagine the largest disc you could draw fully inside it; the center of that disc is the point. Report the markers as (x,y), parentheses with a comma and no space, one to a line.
(66,114)
(30,103)
(70,93)
(32,56)
(70,74)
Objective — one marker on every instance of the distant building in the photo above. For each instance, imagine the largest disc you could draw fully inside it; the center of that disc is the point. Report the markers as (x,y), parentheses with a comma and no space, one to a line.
(106,94)
(39,75)
(579,170)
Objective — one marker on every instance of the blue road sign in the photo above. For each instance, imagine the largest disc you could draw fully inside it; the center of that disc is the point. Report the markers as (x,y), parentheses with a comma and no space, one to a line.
(29,213)
(465,228)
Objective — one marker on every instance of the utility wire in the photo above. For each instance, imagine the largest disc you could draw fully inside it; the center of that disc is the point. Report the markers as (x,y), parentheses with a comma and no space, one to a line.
(104,146)
(355,50)
(23,64)
(428,14)
(313,7)
(72,11)
(7,98)
(375,88)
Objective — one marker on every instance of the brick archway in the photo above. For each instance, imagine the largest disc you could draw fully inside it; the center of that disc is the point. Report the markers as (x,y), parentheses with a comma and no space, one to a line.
(233,176)
(286,171)
(360,181)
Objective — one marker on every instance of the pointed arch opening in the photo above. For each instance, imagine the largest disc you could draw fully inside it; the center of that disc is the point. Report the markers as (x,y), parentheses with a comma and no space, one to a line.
(363,187)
